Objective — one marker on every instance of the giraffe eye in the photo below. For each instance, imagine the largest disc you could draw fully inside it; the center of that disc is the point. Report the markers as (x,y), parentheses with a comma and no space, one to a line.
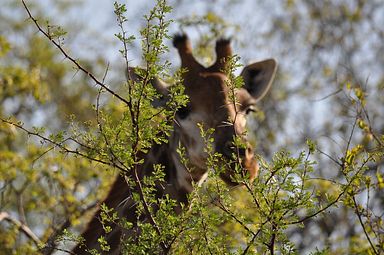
(183,112)
(250,109)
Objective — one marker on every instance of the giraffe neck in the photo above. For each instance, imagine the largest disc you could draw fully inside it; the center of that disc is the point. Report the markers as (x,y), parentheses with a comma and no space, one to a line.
(177,184)
(185,172)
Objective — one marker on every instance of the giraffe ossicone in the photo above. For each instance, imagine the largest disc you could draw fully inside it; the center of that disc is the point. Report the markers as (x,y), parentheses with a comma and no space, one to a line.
(211,106)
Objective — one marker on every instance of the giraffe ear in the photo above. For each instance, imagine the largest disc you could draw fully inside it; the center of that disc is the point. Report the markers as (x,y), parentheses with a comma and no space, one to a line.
(161,88)
(258,77)
(136,73)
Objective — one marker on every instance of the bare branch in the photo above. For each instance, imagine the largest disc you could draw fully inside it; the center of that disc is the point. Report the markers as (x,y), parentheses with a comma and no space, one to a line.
(23,227)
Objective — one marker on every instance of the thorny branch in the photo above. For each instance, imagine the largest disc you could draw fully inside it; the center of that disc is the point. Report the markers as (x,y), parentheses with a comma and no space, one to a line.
(358,213)
(135,113)
(342,165)
(77,152)
(74,61)
(61,145)
(221,205)
(50,244)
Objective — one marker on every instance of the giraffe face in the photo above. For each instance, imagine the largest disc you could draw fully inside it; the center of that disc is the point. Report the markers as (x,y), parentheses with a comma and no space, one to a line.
(214,104)
(211,107)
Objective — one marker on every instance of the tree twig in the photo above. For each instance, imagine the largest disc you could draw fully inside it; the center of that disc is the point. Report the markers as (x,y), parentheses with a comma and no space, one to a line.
(74,61)
(358,213)
(50,244)
(61,146)
(23,227)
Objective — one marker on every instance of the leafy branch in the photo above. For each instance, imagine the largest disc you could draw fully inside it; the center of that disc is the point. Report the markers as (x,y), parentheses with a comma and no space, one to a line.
(70,58)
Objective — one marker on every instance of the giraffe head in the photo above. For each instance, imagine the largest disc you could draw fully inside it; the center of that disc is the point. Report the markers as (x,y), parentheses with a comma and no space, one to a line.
(212,105)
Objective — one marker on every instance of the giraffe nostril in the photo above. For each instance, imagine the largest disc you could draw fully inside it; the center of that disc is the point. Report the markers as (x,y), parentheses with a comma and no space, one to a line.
(241,152)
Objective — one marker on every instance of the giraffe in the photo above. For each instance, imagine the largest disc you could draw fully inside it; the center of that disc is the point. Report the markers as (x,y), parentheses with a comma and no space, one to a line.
(209,104)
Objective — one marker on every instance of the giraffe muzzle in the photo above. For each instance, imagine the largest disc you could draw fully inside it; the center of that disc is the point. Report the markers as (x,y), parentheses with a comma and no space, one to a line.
(244,157)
